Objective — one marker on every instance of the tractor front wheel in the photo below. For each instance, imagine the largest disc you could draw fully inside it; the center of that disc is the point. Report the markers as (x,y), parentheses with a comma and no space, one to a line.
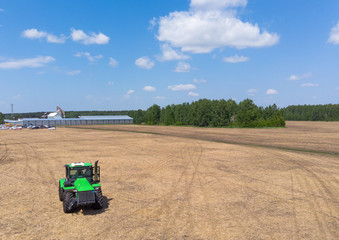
(61,193)
(99,200)
(68,197)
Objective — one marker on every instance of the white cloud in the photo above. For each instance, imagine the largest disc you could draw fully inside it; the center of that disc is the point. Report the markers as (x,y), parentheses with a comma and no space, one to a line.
(54,39)
(299,77)
(88,56)
(334,35)
(217,4)
(149,89)
(193,94)
(33,33)
(144,62)
(309,85)
(152,23)
(182,87)
(92,38)
(207,26)
(129,93)
(75,72)
(27,62)
(169,54)
(113,62)
(235,59)
(271,92)
(199,80)
(110,83)
(182,67)
(159,98)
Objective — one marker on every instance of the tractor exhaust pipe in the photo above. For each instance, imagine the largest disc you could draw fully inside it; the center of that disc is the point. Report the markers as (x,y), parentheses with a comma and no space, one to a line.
(67,172)
(96,171)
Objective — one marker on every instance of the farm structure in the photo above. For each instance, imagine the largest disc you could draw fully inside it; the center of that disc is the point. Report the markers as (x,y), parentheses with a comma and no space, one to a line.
(82,120)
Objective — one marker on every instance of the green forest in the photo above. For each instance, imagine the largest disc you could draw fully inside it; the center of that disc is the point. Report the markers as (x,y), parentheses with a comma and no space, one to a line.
(213,113)
(328,112)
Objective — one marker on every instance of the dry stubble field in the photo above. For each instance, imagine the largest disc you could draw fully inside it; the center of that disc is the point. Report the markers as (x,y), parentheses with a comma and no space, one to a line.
(176,182)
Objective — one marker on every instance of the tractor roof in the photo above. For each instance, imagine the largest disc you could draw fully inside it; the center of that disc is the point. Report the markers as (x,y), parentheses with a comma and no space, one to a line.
(80,164)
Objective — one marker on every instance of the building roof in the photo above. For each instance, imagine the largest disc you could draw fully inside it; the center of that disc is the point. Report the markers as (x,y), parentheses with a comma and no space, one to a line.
(101,117)
(81,118)
(12,121)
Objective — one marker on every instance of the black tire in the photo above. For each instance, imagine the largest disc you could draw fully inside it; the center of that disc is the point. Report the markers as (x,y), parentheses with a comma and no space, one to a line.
(68,197)
(61,193)
(99,200)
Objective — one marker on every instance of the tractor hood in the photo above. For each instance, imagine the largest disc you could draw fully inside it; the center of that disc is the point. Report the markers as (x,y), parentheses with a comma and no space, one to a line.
(82,184)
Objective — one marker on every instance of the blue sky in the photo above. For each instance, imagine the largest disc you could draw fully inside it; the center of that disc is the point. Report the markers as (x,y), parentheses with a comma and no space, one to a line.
(127,54)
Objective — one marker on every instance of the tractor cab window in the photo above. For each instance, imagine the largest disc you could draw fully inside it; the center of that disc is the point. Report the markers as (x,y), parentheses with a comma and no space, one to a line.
(80,173)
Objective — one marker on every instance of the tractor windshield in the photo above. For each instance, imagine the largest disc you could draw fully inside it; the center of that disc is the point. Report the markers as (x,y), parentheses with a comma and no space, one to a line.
(83,172)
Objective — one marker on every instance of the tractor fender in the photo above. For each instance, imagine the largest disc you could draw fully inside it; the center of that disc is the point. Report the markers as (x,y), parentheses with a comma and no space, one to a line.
(68,183)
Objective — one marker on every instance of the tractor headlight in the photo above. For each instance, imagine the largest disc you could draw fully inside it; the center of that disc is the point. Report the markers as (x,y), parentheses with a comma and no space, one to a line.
(74,190)
(96,188)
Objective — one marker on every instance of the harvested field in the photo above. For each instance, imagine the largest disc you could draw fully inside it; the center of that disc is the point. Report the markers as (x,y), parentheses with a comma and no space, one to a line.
(304,136)
(181,183)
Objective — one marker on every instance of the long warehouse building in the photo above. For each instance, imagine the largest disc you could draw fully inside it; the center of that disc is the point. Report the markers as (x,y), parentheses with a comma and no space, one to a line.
(82,120)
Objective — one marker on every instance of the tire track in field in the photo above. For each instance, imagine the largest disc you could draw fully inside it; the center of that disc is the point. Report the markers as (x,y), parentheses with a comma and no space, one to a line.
(33,177)
(296,224)
(315,184)
(193,160)
(193,182)
(252,216)
(317,190)
(210,211)
(247,222)
(164,210)
(43,167)
(152,169)
(305,172)
(298,170)
(137,180)
(123,219)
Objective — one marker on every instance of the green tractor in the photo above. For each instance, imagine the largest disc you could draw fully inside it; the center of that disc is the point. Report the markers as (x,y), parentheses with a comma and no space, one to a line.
(81,186)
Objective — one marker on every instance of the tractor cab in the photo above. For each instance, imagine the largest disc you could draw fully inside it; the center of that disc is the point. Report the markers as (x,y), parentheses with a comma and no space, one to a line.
(83,170)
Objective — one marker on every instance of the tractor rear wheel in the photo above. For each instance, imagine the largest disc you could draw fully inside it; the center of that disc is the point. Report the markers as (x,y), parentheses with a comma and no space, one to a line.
(61,193)
(99,200)
(68,197)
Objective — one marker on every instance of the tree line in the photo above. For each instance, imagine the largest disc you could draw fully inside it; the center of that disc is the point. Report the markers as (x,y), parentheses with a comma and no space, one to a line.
(1,118)
(328,112)
(212,113)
